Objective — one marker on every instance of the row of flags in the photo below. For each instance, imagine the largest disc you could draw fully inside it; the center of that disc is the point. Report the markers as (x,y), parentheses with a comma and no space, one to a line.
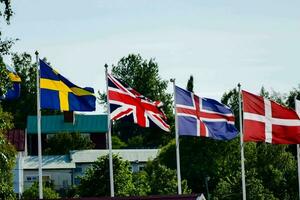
(264,120)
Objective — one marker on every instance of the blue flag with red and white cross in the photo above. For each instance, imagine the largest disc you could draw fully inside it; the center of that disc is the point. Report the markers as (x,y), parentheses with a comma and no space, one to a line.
(203,116)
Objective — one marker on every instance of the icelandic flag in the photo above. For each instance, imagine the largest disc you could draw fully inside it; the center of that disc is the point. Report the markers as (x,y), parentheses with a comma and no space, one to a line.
(203,116)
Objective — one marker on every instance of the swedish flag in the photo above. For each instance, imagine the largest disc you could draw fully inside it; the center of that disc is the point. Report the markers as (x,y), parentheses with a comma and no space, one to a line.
(15,91)
(59,93)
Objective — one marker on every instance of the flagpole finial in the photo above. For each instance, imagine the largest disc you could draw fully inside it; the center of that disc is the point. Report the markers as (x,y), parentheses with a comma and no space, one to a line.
(36,53)
(172,80)
(106,66)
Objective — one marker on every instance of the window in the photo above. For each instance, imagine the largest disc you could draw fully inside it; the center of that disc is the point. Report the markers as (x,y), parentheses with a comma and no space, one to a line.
(65,183)
(78,169)
(77,181)
(31,178)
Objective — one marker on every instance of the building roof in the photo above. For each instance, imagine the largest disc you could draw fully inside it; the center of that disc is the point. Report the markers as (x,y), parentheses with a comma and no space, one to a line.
(87,156)
(55,124)
(132,155)
(49,162)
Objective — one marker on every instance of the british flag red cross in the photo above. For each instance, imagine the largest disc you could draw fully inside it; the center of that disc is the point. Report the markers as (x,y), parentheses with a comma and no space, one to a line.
(124,102)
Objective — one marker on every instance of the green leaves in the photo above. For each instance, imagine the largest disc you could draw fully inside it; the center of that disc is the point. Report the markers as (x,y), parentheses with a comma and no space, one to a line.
(143,76)
(33,192)
(7,157)
(95,182)
(63,143)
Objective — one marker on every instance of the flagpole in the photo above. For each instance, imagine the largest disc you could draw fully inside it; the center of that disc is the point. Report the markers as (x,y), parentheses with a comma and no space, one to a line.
(39,125)
(111,174)
(242,144)
(177,143)
(298,148)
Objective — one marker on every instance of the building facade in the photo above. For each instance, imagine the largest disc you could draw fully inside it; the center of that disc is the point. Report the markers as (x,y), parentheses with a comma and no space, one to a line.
(63,171)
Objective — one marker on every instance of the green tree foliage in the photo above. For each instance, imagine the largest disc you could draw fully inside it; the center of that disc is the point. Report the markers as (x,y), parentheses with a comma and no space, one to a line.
(190,84)
(63,143)
(5,12)
(155,179)
(231,99)
(163,180)
(5,45)
(294,93)
(117,143)
(33,192)
(26,105)
(141,184)
(96,183)
(271,171)
(143,76)
(198,157)
(7,157)
(136,141)
(4,79)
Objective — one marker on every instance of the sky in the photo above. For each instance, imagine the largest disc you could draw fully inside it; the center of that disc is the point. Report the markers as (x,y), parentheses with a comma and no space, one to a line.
(221,43)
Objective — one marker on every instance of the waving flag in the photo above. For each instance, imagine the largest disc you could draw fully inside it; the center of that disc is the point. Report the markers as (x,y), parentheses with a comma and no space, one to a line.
(58,93)
(126,102)
(267,121)
(203,117)
(13,92)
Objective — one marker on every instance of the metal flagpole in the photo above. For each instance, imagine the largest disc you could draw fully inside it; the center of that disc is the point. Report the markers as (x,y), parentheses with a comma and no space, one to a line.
(242,144)
(111,174)
(177,142)
(297,108)
(39,125)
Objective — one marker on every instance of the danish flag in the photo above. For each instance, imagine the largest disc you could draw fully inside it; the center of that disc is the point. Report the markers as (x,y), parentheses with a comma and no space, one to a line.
(267,121)
(128,103)
(203,116)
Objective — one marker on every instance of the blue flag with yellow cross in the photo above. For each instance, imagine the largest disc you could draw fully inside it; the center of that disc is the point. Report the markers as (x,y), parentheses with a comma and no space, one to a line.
(58,93)
(13,92)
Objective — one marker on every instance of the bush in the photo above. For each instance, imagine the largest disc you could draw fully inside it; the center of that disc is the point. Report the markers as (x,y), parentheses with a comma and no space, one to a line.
(33,192)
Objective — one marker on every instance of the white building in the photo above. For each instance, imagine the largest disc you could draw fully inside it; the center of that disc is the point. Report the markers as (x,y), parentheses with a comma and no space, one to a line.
(64,170)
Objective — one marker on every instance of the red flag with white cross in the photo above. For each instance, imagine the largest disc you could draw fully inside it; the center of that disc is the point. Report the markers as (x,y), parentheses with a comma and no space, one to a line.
(266,120)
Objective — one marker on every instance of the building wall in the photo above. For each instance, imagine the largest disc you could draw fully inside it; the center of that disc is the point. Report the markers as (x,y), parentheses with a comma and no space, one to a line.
(61,178)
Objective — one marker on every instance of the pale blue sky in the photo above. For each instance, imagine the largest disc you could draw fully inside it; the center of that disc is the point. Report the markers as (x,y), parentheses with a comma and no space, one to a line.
(221,43)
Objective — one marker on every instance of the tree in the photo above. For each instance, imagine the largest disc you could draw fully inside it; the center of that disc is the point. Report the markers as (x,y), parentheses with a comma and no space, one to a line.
(270,169)
(143,76)
(117,143)
(4,78)
(163,180)
(141,184)
(7,158)
(5,45)
(190,84)
(290,100)
(26,104)
(95,181)
(5,12)
(33,192)
(63,143)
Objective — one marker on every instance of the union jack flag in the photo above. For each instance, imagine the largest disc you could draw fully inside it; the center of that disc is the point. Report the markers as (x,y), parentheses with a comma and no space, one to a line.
(203,117)
(125,102)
